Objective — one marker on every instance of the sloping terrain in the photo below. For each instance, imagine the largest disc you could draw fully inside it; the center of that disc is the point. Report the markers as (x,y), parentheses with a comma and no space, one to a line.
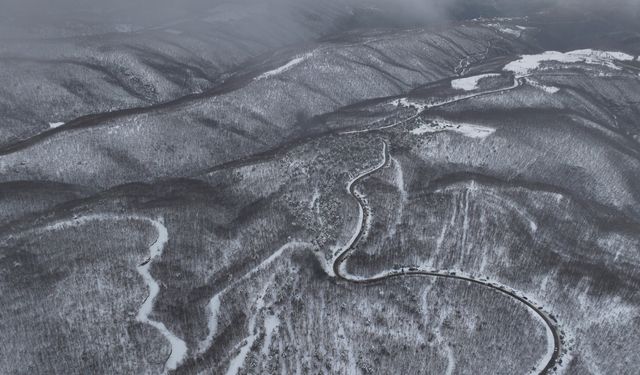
(323,187)
(51,81)
(273,100)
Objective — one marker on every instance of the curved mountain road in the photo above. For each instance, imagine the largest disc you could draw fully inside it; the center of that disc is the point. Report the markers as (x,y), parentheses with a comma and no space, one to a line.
(365,217)
(178,346)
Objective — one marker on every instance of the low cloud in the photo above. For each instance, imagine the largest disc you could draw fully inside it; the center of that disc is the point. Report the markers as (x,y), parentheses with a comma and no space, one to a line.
(402,11)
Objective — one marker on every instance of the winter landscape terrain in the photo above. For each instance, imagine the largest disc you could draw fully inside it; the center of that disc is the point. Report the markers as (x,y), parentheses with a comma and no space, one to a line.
(320,187)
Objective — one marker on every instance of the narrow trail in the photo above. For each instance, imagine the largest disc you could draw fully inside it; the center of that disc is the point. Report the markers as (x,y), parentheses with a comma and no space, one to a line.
(213,307)
(178,346)
(554,342)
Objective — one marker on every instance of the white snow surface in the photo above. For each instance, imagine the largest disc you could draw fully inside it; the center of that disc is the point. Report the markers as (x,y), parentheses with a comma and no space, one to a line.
(178,346)
(467,130)
(285,67)
(213,307)
(515,31)
(239,360)
(470,83)
(271,322)
(545,88)
(406,103)
(528,64)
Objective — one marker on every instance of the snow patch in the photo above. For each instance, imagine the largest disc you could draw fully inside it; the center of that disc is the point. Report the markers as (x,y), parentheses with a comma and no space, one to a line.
(314,200)
(212,324)
(398,180)
(406,103)
(467,130)
(515,31)
(470,83)
(285,67)
(528,64)
(271,322)
(538,85)
(213,306)
(178,346)
(239,360)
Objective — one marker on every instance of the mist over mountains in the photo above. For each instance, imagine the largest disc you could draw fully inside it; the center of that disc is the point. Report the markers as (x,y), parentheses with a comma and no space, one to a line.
(86,16)
(319,187)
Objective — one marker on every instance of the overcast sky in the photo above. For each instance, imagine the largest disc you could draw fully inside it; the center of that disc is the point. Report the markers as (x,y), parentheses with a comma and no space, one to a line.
(150,11)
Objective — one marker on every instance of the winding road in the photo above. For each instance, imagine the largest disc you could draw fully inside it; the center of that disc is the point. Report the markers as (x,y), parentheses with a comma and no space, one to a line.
(178,346)
(339,269)
(517,82)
